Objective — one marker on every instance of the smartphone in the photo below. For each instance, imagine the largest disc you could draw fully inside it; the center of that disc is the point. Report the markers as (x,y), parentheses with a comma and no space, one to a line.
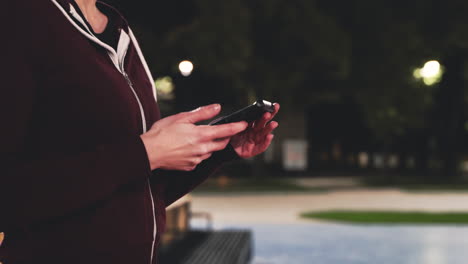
(249,114)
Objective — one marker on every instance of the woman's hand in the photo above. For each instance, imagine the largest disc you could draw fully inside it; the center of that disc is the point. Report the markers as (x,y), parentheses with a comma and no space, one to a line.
(256,139)
(176,143)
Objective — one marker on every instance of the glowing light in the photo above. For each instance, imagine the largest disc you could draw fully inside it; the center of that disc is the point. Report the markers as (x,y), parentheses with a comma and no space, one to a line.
(165,88)
(431,69)
(363,159)
(431,73)
(186,68)
(430,81)
(417,74)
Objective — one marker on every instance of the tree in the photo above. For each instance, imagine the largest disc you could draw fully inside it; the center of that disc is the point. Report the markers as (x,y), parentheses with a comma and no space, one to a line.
(308,52)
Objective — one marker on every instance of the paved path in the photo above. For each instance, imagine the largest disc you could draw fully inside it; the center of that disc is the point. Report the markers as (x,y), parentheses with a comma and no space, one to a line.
(283,238)
(325,243)
(285,208)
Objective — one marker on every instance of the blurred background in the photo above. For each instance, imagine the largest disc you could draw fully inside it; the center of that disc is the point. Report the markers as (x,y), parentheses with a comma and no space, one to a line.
(370,162)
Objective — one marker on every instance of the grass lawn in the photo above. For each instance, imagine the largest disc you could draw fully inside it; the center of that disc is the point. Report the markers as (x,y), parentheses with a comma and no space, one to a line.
(389,217)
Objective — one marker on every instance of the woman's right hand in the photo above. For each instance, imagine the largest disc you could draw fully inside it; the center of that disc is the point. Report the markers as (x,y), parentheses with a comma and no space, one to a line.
(176,143)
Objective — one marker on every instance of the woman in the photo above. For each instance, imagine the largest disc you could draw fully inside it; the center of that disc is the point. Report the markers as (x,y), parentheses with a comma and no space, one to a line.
(88,165)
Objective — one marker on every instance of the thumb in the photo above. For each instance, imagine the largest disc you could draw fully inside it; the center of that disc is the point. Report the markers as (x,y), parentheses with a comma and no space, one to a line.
(202,113)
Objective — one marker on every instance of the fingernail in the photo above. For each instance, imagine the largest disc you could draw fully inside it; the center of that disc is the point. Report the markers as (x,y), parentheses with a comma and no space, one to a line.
(216,107)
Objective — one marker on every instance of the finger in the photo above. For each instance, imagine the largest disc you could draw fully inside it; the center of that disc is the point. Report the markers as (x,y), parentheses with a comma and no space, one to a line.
(202,113)
(224,131)
(259,124)
(267,117)
(267,130)
(197,160)
(271,126)
(217,145)
(210,147)
(266,142)
(189,168)
(206,156)
(277,108)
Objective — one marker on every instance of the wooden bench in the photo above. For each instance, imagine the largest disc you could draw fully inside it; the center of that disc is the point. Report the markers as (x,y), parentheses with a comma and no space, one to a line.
(210,247)
(181,245)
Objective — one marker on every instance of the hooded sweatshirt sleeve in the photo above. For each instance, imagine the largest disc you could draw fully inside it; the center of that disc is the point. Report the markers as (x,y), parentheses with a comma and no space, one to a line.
(179,183)
(36,188)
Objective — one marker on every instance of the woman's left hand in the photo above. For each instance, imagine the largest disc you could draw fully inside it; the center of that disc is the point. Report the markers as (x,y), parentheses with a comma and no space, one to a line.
(257,137)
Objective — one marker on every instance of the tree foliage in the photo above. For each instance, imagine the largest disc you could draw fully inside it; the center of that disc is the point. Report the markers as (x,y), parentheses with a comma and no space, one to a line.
(305,52)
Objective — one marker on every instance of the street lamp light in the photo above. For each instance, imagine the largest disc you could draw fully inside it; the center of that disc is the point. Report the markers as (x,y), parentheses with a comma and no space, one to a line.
(165,88)
(431,73)
(431,69)
(186,68)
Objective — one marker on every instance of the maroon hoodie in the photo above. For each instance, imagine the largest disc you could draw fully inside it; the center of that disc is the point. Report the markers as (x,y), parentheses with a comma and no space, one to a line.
(75,180)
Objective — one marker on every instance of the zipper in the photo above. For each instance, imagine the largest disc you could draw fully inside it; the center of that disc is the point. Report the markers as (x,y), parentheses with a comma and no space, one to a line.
(130,84)
(149,183)
(119,64)
(136,96)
